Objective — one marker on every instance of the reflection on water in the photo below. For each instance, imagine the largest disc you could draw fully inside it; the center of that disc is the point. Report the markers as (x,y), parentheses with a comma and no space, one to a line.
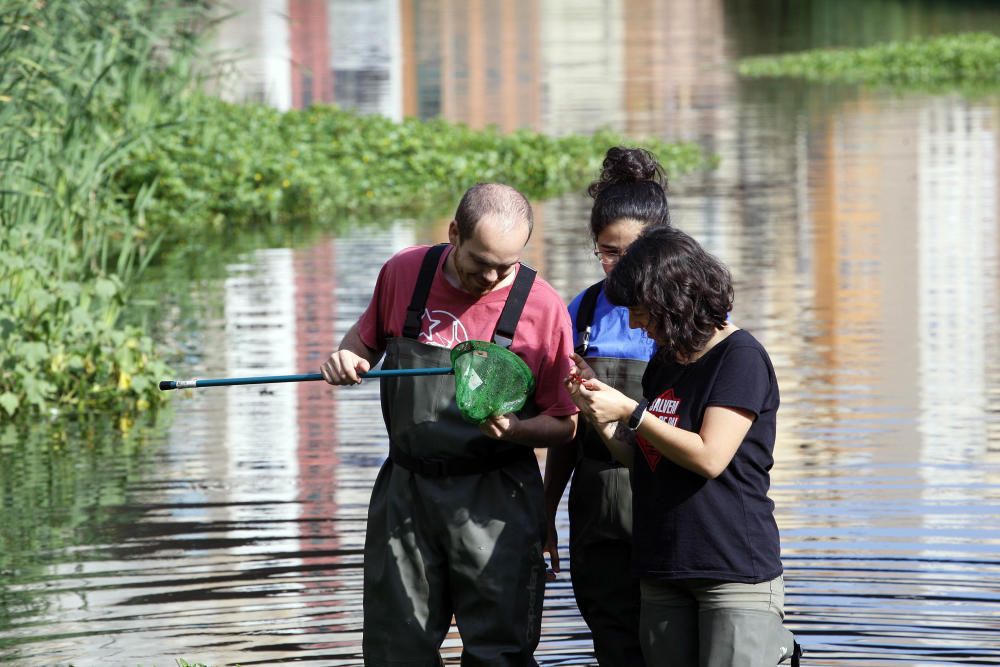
(862,229)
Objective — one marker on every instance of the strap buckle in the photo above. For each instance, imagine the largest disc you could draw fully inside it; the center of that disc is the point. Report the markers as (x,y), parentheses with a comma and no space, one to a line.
(502,341)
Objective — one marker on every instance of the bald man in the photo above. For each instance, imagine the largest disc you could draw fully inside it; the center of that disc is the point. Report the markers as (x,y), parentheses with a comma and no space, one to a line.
(456,522)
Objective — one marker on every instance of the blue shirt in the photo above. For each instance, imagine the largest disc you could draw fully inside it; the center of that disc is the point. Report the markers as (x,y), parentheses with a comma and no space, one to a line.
(610,335)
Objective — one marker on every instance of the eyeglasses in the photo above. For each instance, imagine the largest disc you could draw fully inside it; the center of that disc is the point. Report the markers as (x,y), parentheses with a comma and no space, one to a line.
(607,257)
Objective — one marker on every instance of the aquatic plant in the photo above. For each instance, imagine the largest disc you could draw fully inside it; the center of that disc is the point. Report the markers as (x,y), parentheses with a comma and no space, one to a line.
(239,165)
(966,62)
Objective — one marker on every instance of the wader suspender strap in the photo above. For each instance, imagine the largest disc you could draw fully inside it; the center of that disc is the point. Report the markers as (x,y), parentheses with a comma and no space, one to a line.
(584,323)
(415,311)
(585,317)
(503,335)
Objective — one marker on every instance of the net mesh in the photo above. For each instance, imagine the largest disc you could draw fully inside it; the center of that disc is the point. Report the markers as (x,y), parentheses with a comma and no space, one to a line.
(489,380)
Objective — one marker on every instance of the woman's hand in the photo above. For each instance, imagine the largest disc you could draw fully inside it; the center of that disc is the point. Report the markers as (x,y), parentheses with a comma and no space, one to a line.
(599,403)
(581,370)
(604,407)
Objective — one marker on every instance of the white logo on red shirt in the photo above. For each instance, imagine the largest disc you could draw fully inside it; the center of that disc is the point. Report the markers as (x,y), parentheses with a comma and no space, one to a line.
(666,407)
(442,329)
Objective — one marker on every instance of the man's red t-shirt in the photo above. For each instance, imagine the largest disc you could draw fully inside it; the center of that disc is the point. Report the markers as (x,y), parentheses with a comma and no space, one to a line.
(543,337)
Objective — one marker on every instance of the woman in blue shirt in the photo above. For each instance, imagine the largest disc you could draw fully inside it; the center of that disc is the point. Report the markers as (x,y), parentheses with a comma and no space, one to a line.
(628,197)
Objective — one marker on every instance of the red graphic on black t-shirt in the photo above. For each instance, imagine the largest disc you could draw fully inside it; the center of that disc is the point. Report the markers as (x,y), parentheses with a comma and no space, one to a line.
(666,408)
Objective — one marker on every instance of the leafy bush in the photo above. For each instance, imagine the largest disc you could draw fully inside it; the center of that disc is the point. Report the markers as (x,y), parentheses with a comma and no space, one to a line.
(235,165)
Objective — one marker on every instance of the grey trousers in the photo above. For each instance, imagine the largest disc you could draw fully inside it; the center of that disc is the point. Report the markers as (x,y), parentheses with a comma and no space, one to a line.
(708,623)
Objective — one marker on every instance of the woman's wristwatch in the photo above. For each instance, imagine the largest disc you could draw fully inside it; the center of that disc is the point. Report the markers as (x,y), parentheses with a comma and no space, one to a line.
(637,415)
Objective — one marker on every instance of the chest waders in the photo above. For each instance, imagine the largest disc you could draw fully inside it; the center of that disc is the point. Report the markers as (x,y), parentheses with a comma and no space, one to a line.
(600,517)
(456,520)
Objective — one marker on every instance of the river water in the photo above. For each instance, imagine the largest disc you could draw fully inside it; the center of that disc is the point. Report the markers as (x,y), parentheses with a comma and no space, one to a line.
(862,230)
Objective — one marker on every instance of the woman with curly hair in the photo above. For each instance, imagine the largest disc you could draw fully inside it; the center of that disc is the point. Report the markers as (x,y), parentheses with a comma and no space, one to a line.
(700,446)
(629,196)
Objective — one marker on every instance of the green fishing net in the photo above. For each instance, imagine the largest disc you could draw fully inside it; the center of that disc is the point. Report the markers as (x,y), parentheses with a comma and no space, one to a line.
(489,380)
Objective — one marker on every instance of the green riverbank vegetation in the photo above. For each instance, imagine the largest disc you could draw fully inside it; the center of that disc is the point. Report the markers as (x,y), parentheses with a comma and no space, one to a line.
(110,157)
(967,63)
(81,89)
(232,166)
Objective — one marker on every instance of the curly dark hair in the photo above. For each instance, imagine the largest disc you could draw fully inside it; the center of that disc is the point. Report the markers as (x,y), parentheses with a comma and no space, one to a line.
(687,292)
(632,185)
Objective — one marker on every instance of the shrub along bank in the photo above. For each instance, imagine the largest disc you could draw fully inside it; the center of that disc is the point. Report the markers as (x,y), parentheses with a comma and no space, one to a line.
(232,165)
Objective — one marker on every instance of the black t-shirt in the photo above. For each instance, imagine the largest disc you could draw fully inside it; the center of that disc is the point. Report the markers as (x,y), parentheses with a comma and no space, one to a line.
(684,525)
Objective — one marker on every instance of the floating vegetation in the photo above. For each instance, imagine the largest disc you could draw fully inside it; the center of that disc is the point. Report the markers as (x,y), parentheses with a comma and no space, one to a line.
(966,62)
(233,165)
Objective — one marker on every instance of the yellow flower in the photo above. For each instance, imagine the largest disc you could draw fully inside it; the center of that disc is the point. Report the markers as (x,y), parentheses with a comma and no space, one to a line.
(258,177)
(285,183)
(124,380)
(124,424)
(58,363)
(141,405)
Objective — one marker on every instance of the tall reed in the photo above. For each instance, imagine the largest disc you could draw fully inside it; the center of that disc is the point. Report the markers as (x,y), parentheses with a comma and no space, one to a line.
(84,85)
